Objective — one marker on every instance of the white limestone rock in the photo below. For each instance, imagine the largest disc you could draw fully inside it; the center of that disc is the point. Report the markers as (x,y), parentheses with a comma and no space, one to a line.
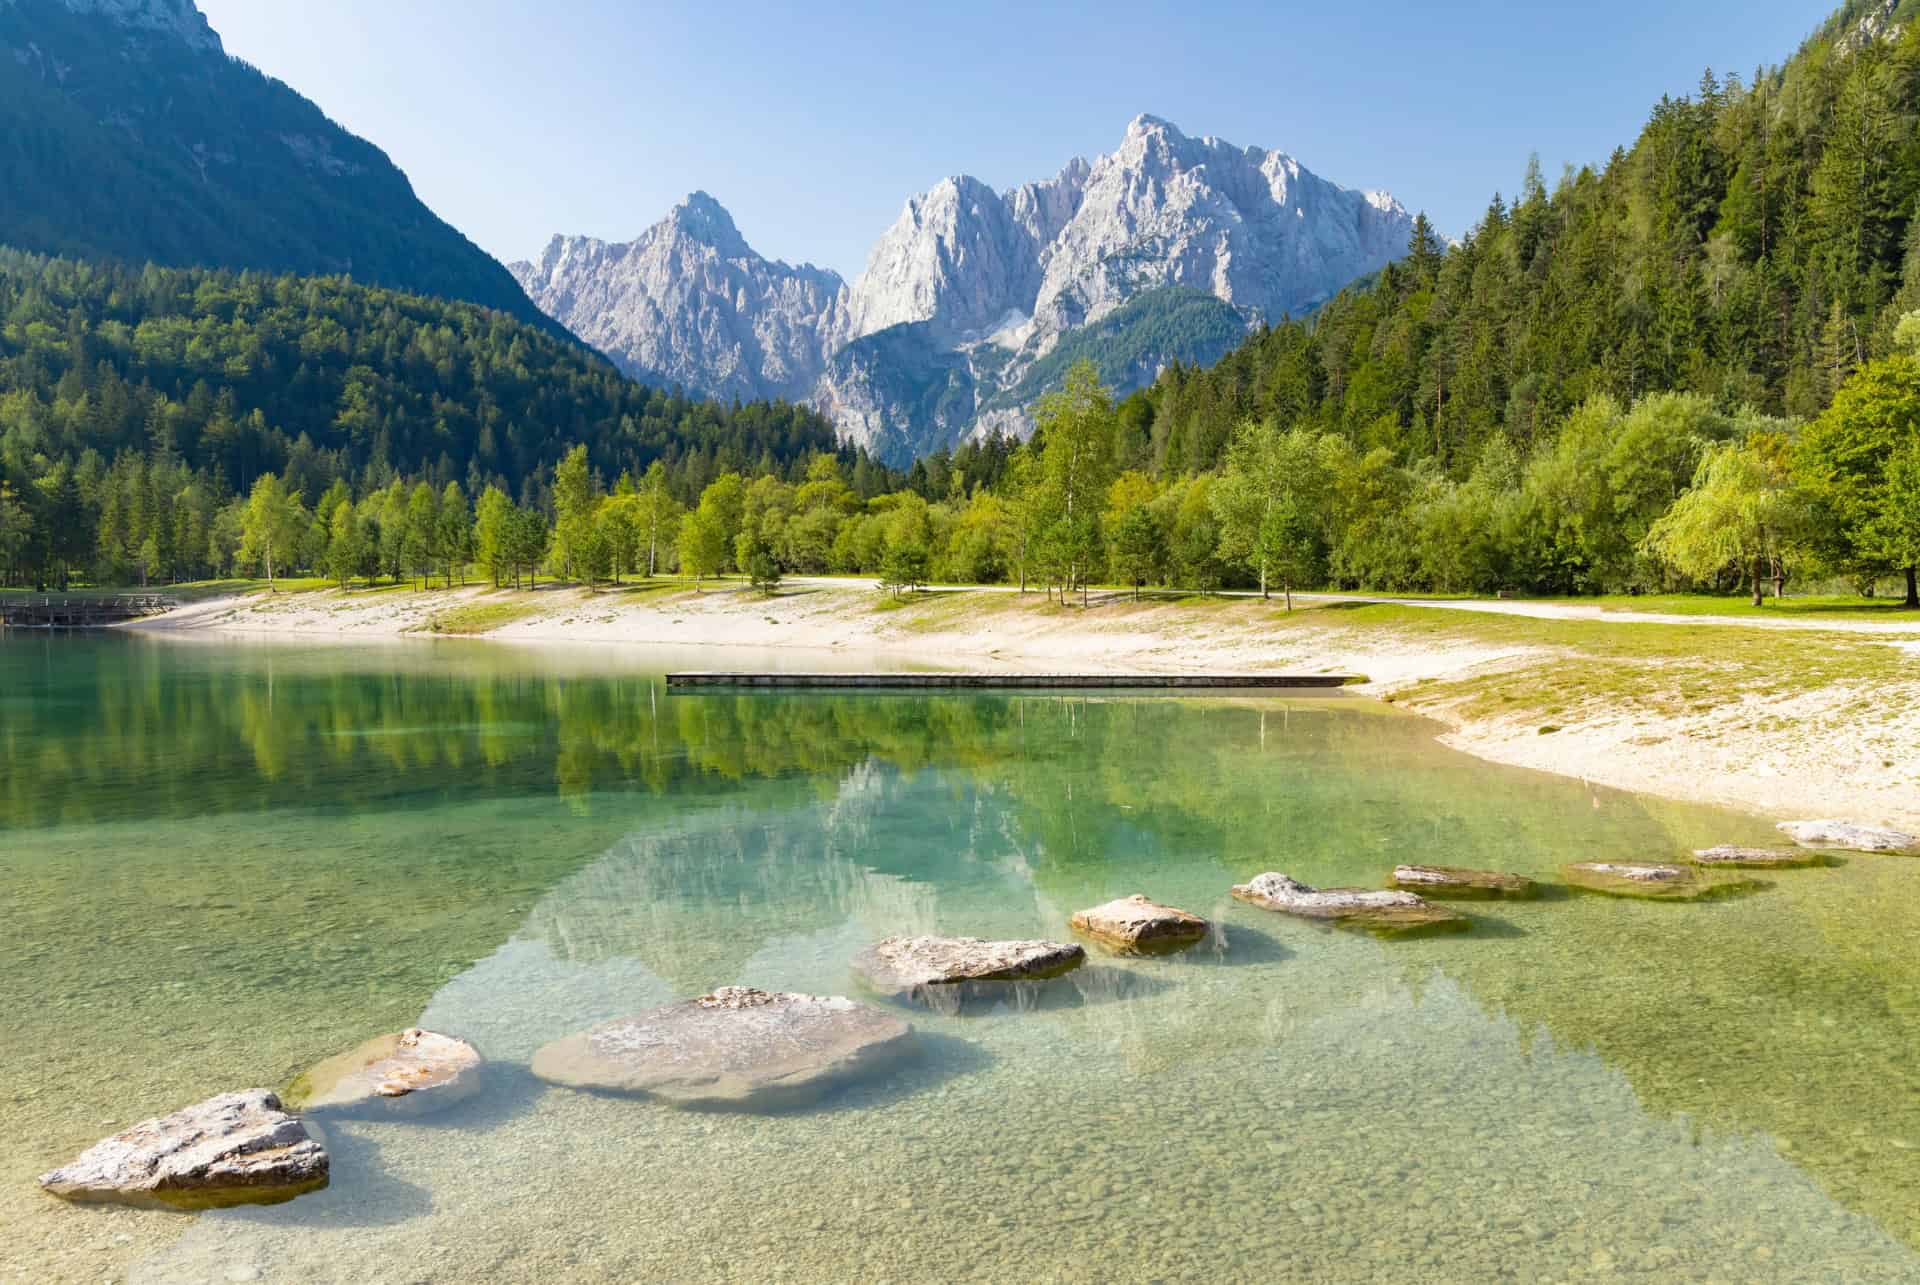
(1848,835)
(1387,913)
(238,1148)
(1137,925)
(413,1072)
(917,967)
(736,1048)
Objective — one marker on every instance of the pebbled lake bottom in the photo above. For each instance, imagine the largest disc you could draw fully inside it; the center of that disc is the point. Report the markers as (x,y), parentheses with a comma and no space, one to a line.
(223,862)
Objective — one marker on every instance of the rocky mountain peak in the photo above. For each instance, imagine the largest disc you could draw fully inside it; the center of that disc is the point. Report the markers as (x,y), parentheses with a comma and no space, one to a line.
(1147,125)
(705,220)
(179,19)
(689,302)
(970,288)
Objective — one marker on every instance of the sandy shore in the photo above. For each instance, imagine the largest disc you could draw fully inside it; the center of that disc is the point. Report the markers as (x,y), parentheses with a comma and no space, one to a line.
(1836,750)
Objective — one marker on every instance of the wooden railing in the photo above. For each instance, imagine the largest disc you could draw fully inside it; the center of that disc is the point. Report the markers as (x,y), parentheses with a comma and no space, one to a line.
(79,611)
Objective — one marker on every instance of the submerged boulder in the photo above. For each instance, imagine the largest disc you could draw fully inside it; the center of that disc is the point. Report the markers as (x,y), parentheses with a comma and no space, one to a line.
(738,1047)
(1739,858)
(236,1149)
(1460,884)
(1650,879)
(414,1072)
(1135,925)
(1848,835)
(1383,913)
(914,966)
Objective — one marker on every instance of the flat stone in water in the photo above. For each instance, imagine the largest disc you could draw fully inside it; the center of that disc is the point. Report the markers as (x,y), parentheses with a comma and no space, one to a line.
(1848,835)
(738,1048)
(910,966)
(1457,883)
(1137,926)
(235,1149)
(1388,914)
(1739,858)
(411,1073)
(1649,879)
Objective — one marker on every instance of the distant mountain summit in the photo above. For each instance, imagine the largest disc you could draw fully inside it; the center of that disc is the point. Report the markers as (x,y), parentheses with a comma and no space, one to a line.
(126,132)
(689,302)
(1167,248)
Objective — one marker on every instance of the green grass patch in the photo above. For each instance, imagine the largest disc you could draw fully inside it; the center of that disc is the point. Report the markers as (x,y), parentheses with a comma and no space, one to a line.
(1840,606)
(482,617)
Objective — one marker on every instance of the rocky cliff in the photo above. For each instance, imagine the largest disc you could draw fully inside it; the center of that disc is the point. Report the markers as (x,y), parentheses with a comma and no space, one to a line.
(690,303)
(967,295)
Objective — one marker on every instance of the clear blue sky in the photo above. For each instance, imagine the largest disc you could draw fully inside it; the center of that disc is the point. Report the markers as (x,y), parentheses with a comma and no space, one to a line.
(813,122)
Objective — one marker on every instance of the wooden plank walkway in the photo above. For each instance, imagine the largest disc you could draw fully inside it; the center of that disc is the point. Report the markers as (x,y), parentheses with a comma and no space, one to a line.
(1015,682)
(78,611)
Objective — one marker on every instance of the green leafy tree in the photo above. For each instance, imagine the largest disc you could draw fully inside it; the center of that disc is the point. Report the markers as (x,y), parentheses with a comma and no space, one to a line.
(1270,502)
(1075,426)
(1741,513)
(573,512)
(420,541)
(16,530)
(657,516)
(755,556)
(703,544)
(1136,540)
(392,525)
(1898,523)
(1844,459)
(527,539)
(454,532)
(270,525)
(346,543)
(493,535)
(617,521)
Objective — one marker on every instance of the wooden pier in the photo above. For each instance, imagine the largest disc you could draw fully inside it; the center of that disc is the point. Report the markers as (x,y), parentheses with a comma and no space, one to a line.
(1015,682)
(54,612)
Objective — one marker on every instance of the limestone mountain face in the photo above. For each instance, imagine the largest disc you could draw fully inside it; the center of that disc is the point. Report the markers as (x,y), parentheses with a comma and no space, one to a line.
(973,301)
(689,302)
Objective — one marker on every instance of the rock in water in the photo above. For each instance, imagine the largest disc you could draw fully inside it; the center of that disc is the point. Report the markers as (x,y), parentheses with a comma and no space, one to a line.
(916,967)
(236,1149)
(1650,879)
(1728,854)
(1382,913)
(1464,885)
(415,1072)
(1848,835)
(738,1047)
(1138,926)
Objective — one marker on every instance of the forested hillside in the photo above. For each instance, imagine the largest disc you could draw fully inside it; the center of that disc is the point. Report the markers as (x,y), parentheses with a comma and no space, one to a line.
(139,143)
(1754,246)
(210,380)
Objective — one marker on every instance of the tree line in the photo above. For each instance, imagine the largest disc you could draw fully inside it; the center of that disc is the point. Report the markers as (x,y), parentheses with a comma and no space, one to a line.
(135,405)
(1665,493)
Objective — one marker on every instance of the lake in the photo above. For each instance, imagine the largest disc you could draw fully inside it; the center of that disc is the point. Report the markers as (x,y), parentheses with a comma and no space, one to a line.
(224,861)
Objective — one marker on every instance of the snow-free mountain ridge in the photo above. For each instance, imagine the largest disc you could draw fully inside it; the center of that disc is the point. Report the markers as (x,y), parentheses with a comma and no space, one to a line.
(971,288)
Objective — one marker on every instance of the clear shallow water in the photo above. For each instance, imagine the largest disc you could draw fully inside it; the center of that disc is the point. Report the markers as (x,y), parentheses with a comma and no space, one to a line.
(224,862)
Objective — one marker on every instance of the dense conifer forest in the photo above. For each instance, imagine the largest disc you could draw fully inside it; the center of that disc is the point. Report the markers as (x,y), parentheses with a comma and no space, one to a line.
(132,401)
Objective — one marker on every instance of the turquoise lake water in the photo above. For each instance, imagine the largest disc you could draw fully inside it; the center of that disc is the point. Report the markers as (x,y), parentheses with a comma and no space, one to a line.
(225,861)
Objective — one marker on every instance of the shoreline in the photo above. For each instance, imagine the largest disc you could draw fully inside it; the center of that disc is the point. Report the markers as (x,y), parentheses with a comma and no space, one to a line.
(1505,687)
